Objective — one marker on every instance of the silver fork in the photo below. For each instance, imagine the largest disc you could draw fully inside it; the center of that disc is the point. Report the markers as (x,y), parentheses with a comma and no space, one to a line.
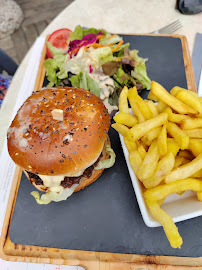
(169,29)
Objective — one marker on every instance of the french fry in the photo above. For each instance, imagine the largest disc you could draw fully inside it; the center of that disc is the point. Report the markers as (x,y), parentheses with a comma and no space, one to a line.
(181,138)
(161,106)
(200,114)
(143,107)
(188,98)
(135,160)
(142,151)
(132,100)
(152,107)
(199,195)
(191,123)
(163,191)
(159,193)
(123,100)
(162,141)
(141,129)
(186,170)
(166,221)
(145,141)
(172,146)
(174,117)
(197,174)
(125,119)
(160,92)
(163,168)
(156,157)
(180,193)
(186,154)
(146,147)
(194,133)
(176,90)
(153,134)
(131,145)
(152,97)
(123,130)
(180,161)
(138,143)
(195,145)
(149,163)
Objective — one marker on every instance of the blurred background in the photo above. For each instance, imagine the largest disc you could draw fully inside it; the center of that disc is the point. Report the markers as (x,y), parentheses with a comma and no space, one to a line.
(22,21)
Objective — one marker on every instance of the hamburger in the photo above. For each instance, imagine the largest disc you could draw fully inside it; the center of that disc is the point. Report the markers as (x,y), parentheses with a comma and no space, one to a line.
(59,138)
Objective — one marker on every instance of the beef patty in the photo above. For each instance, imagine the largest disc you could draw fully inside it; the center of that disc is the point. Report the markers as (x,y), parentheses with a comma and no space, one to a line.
(68,181)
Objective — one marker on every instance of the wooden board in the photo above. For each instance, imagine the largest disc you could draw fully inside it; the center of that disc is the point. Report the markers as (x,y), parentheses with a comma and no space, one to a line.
(90,260)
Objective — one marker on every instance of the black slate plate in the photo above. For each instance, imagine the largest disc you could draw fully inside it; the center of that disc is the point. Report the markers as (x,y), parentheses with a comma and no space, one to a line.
(105,216)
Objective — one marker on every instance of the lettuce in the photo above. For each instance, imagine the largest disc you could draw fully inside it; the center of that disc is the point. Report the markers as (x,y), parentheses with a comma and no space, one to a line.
(106,40)
(79,32)
(103,55)
(53,196)
(92,31)
(54,66)
(51,67)
(53,49)
(134,55)
(140,71)
(120,50)
(39,200)
(107,163)
(83,80)
(140,74)
(121,77)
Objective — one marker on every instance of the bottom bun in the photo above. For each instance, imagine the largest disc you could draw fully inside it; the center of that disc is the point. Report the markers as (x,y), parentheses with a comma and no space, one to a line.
(86,181)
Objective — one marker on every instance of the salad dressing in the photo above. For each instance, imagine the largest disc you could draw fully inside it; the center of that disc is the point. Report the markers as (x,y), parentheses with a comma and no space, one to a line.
(106,84)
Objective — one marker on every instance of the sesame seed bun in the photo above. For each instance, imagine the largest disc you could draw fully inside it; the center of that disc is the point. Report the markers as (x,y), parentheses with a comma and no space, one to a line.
(43,145)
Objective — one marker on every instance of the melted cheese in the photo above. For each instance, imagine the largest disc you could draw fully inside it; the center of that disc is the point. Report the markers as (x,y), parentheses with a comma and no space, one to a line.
(53,182)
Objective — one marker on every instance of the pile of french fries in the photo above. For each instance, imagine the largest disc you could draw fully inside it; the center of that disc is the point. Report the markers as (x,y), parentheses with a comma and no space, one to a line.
(164,141)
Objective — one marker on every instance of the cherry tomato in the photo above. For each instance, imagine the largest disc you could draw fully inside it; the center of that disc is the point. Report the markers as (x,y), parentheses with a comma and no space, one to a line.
(59,39)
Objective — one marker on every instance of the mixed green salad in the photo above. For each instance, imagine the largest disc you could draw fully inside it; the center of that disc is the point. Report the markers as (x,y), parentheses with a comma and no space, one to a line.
(95,60)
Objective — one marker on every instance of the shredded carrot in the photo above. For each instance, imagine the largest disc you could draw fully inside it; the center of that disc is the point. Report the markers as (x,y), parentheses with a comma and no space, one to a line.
(117,58)
(101,45)
(96,45)
(99,37)
(111,36)
(74,50)
(118,45)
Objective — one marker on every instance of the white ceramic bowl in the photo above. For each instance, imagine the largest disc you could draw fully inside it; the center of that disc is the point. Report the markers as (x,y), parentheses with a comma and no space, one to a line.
(179,207)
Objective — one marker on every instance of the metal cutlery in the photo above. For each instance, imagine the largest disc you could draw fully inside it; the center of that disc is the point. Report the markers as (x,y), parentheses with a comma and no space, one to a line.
(169,29)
